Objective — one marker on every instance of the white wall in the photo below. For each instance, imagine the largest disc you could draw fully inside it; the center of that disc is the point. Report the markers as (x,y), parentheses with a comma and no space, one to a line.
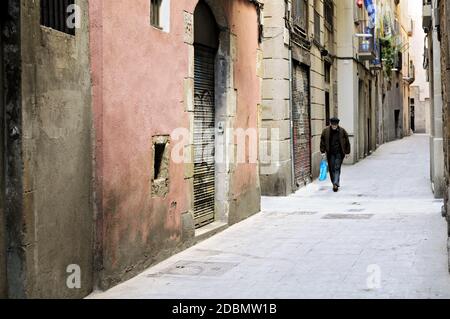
(417,48)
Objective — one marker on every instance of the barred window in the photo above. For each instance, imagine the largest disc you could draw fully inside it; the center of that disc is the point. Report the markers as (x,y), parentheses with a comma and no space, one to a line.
(57,14)
(329,14)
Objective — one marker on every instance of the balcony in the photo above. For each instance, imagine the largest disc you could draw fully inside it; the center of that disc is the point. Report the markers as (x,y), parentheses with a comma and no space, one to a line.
(427,21)
(410,27)
(366,44)
(411,74)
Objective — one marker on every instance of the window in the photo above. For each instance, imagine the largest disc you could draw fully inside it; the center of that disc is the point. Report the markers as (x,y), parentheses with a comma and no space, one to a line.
(300,14)
(329,14)
(56,14)
(160,14)
(155,13)
(317,26)
(327,72)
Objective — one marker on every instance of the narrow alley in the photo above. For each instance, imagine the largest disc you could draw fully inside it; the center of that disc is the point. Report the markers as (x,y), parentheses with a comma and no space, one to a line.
(381,236)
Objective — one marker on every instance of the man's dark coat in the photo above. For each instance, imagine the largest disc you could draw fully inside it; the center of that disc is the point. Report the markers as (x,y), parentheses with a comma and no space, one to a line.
(343,138)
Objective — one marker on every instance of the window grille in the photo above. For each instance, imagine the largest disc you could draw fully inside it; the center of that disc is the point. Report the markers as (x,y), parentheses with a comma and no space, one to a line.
(55,14)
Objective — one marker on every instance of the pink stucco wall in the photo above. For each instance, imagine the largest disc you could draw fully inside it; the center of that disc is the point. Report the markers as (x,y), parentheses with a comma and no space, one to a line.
(138,73)
(243,23)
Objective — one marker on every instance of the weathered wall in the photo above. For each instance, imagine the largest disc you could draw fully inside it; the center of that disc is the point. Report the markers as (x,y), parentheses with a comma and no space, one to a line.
(245,189)
(142,90)
(57,213)
(137,84)
(3,285)
(444,10)
(14,164)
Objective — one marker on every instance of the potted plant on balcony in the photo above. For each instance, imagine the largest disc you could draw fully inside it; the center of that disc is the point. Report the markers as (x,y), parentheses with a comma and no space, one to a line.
(388,54)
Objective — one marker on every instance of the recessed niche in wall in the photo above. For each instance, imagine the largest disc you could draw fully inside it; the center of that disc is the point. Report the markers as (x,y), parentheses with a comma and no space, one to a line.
(160,166)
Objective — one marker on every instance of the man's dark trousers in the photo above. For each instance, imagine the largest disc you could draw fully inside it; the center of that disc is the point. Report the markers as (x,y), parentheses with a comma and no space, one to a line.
(334,166)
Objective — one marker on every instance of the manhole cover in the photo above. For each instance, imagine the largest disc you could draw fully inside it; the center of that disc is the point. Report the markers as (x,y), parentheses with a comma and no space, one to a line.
(302,213)
(348,216)
(199,268)
(291,213)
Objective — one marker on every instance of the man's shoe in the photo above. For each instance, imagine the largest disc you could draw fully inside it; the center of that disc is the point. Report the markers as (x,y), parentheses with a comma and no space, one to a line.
(335,188)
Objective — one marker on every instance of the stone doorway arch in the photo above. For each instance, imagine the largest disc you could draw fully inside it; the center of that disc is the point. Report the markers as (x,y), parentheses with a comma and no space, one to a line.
(225,109)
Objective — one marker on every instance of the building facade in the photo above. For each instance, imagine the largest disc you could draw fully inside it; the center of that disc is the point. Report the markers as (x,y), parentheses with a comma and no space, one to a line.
(299,90)
(436,24)
(442,25)
(47,112)
(396,29)
(420,89)
(120,152)
(358,82)
(432,64)
(204,72)
(329,58)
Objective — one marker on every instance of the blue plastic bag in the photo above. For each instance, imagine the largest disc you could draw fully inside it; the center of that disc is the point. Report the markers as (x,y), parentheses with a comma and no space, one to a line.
(323,170)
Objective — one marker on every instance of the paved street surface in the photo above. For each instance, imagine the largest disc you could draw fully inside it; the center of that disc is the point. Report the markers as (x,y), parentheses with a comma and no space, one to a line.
(381,236)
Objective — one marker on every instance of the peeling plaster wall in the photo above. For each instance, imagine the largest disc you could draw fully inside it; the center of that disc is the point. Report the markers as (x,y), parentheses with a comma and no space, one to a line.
(57,212)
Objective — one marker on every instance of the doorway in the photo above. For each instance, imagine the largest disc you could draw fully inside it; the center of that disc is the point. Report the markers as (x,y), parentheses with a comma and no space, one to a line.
(302,125)
(327,109)
(361,120)
(369,148)
(397,122)
(206,43)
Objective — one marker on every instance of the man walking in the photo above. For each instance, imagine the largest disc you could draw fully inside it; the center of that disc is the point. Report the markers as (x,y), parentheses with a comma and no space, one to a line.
(334,146)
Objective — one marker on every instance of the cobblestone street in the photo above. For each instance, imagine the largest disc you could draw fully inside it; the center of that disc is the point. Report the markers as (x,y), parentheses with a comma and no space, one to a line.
(384,227)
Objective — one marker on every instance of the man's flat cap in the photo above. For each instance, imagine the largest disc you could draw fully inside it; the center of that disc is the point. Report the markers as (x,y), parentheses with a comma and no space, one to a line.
(334,120)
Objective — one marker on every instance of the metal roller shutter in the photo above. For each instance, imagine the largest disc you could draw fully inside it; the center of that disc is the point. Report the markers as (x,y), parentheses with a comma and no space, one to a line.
(302,126)
(204,137)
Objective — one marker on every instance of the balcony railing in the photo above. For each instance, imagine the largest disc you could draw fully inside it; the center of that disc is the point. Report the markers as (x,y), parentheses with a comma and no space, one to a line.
(427,16)
(366,43)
